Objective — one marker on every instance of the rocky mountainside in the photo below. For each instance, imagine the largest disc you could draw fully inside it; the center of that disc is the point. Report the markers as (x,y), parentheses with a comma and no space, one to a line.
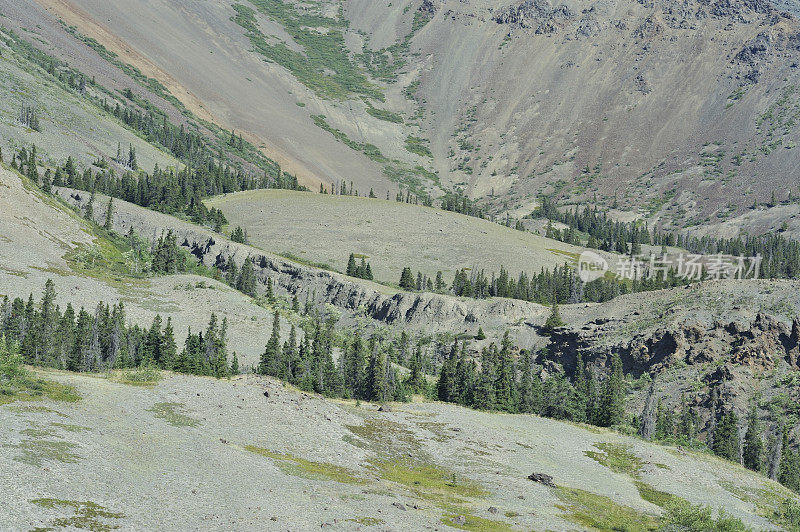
(684,111)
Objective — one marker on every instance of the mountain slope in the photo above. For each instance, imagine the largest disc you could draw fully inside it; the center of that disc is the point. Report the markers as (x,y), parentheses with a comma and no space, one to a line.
(392,235)
(684,110)
(193,452)
(43,239)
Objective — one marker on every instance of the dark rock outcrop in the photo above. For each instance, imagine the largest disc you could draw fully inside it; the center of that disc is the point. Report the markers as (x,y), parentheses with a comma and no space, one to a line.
(542,478)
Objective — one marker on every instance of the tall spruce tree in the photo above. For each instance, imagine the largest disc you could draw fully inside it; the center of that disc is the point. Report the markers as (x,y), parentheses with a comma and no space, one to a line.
(753,452)
(726,437)
(612,399)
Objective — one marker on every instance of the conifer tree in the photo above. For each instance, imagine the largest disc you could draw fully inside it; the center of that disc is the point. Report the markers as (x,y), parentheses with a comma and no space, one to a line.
(726,437)
(270,291)
(505,383)
(612,399)
(269,359)
(109,219)
(351,266)
(485,395)
(89,212)
(168,349)
(647,426)
(407,279)
(753,452)
(247,278)
(554,321)
(446,383)
(415,381)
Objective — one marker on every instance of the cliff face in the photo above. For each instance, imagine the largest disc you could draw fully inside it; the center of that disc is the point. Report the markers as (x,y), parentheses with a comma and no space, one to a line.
(715,368)
(762,345)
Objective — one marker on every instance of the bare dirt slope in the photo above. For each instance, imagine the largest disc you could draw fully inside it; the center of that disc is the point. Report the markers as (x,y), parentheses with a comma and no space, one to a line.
(195,453)
(326,229)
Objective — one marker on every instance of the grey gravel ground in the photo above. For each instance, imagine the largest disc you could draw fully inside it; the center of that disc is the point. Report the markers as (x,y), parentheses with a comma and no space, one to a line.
(196,474)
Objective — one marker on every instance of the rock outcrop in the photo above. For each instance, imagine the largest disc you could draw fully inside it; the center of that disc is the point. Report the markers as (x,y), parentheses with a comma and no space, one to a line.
(760,346)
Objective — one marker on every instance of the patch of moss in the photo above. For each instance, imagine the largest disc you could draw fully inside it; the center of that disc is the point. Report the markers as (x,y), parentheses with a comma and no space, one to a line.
(324,65)
(36,452)
(26,387)
(652,495)
(475,523)
(430,482)
(169,412)
(418,146)
(597,512)
(300,467)
(33,432)
(88,515)
(767,499)
(367,521)
(141,376)
(438,430)
(401,460)
(386,116)
(70,428)
(617,458)
(35,409)
(385,437)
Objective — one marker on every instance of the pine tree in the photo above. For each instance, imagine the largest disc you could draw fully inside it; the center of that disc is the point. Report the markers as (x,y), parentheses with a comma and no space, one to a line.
(612,400)
(168,349)
(377,383)
(505,383)
(789,468)
(109,220)
(351,266)
(554,321)
(269,359)
(446,382)
(132,164)
(353,362)
(407,279)
(235,364)
(753,453)
(415,381)
(270,291)
(726,437)
(647,427)
(485,395)
(89,212)
(247,278)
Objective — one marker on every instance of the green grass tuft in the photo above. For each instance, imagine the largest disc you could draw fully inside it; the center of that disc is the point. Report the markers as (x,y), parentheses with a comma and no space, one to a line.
(169,412)
(652,495)
(617,458)
(300,467)
(36,452)
(597,512)
(88,515)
